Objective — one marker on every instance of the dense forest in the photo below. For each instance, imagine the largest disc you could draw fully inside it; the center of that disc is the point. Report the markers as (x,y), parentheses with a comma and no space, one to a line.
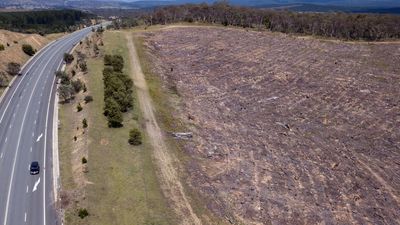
(370,27)
(43,22)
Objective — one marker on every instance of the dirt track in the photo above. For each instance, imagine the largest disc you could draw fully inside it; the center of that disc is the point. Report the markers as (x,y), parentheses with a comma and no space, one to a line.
(169,179)
(287,130)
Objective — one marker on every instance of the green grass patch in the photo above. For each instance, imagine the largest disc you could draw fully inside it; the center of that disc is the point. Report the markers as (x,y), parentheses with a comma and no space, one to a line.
(123,186)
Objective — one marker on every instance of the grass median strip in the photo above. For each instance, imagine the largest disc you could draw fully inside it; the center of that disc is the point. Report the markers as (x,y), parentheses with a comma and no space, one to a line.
(122,183)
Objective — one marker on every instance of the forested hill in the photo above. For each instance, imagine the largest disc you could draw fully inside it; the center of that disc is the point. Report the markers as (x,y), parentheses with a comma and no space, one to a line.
(348,26)
(43,22)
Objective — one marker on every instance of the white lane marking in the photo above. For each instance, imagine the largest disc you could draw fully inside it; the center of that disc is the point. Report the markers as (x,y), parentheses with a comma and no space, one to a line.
(14,115)
(33,134)
(25,218)
(41,94)
(1,156)
(36,185)
(10,126)
(5,140)
(34,122)
(31,149)
(45,149)
(37,111)
(27,188)
(40,136)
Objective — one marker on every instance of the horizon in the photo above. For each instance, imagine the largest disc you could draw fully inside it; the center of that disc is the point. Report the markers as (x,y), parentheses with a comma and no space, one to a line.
(360,3)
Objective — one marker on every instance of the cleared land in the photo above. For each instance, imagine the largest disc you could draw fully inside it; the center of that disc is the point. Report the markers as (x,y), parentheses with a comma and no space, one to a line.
(287,130)
(121,185)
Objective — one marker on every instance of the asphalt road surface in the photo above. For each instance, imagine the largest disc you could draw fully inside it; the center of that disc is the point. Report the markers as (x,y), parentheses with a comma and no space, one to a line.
(26,127)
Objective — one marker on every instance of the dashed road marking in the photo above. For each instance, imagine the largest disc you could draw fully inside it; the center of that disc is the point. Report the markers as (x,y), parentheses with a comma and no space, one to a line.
(40,136)
(36,185)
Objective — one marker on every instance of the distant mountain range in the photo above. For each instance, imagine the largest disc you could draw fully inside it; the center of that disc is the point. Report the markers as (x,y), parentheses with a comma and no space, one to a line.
(372,6)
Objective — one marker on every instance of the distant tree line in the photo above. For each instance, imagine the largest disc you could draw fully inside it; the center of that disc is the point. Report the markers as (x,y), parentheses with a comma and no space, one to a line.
(370,27)
(43,22)
(118,89)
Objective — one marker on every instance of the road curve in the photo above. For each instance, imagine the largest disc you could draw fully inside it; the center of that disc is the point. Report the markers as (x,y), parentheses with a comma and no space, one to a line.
(26,127)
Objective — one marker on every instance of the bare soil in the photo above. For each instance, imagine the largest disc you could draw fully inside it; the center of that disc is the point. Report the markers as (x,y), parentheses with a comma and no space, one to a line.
(13,51)
(287,130)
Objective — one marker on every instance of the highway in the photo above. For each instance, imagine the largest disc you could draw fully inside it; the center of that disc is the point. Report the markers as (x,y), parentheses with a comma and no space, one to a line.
(26,128)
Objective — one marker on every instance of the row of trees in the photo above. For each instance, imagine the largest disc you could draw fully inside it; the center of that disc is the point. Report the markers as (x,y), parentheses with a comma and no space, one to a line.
(43,22)
(118,89)
(347,26)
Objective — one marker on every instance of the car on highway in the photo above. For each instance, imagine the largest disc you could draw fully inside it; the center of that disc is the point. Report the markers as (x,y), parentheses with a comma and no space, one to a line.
(34,168)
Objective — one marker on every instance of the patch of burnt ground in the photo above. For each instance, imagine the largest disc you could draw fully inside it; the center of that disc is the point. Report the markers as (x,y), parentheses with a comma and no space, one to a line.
(287,130)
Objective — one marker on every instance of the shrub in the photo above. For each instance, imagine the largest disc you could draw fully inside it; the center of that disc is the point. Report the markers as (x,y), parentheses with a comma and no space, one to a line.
(65,80)
(135,137)
(84,88)
(13,68)
(68,58)
(3,80)
(88,98)
(15,42)
(113,113)
(82,213)
(84,160)
(84,123)
(107,60)
(59,73)
(77,85)
(2,47)
(100,30)
(73,72)
(75,138)
(28,49)
(83,66)
(116,61)
(96,49)
(79,107)
(66,92)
